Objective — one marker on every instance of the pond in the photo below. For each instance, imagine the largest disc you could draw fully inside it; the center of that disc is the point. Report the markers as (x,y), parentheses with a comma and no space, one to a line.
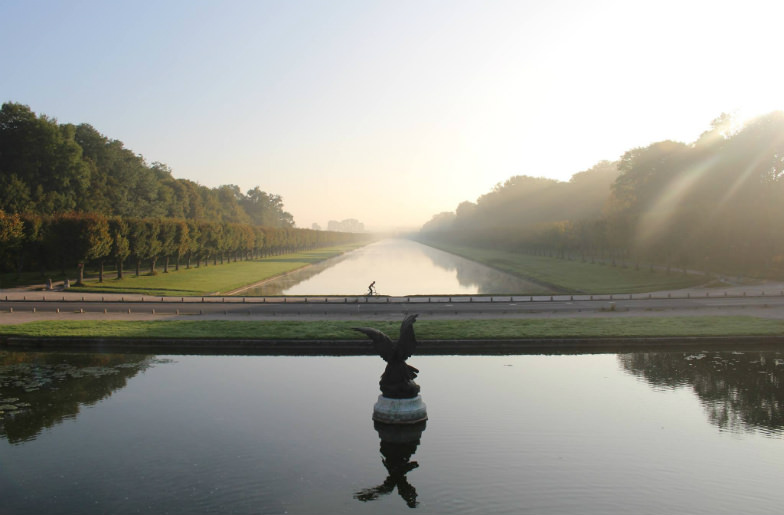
(654,432)
(399,267)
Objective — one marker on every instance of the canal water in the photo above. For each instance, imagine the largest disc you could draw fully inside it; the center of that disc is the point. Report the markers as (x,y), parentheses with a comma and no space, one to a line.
(399,267)
(656,432)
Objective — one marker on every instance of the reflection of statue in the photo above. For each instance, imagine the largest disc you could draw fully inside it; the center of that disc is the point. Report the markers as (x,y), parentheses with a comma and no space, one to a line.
(398,444)
(397,381)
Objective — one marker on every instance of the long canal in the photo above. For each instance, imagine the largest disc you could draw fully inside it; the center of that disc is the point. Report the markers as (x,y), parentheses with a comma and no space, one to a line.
(398,267)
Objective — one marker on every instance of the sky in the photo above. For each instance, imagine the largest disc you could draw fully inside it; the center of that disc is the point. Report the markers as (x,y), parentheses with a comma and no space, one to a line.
(389,112)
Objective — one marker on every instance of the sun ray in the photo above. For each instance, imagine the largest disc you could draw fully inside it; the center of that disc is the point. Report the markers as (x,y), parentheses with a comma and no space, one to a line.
(656,220)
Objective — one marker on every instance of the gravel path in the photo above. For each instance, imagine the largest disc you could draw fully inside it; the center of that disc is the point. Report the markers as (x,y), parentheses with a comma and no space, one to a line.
(765,300)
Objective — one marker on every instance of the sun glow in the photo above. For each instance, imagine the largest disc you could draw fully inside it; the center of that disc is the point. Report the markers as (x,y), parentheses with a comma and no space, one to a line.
(659,218)
(338,105)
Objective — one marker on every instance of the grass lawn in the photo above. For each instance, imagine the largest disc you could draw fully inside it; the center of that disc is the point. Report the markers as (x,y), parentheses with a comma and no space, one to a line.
(211,279)
(563,275)
(576,276)
(425,329)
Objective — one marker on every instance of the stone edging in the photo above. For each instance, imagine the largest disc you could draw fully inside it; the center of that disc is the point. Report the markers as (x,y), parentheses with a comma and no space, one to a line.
(362,347)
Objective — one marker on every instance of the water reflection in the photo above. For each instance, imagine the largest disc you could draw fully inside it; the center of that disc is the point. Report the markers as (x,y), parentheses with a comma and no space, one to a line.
(41,390)
(399,267)
(740,391)
(282,283)
(486,280)
(398,444)
(529,433)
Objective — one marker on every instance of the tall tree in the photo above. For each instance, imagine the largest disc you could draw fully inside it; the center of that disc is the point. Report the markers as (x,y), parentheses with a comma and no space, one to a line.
(42,155)
(80,239)
(121,247)
(11,235)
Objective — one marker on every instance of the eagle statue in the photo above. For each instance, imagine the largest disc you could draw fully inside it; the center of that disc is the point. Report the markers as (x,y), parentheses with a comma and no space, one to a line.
(397,381)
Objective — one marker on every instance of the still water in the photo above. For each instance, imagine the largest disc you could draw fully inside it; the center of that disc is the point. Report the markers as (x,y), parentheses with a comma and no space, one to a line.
(399,267)
(663,432)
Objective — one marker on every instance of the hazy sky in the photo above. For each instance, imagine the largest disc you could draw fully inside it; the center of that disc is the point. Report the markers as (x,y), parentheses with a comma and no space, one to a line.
(389,112)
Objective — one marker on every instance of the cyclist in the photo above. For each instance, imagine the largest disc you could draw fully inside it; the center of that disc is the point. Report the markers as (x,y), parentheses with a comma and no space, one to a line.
(372,288)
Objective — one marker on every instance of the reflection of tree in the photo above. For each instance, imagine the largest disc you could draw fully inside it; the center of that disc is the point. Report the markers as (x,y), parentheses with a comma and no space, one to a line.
(398,444)
(40,390)
(740,391)
(486,279)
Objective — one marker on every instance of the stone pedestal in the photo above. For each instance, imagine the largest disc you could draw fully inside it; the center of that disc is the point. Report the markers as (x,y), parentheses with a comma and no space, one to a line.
(399,411)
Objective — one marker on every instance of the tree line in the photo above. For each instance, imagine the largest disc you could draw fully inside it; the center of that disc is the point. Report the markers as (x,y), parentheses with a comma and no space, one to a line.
(49,168)
(716,204)
(30,242)
(70,196)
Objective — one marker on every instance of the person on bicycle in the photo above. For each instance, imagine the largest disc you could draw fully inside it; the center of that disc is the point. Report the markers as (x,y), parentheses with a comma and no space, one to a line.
(371,288)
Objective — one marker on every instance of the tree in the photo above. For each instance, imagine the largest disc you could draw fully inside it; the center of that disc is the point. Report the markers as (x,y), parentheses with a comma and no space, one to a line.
(182,241)
(193,243)
(11,235)
(144,243)
(121,248)
(41,160)
(168,239)
(155,244)
(80,239)
(48,168)
(266,209)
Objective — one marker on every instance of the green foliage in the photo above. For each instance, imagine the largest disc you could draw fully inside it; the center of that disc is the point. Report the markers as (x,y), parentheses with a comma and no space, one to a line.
(41,165)
(46,168)
(133,210)
(213,279)
(78,239)
(75,240)
(120,230)
(11,234)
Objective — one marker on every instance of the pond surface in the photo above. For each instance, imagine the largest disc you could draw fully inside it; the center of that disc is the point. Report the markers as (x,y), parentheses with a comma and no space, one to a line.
(399,267)
(662,432)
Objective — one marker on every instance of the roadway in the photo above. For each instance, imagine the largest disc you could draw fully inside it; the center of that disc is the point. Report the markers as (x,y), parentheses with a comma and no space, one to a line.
(18,306)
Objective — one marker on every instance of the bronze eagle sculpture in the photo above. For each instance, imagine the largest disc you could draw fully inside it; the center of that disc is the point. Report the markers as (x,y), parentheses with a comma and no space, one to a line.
(397,381)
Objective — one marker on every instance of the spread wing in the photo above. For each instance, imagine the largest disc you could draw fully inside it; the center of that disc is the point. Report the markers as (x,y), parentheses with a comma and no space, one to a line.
(384,346)
(407,343)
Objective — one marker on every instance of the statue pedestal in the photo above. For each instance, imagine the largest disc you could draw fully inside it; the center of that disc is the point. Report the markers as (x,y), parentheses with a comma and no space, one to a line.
(399,411)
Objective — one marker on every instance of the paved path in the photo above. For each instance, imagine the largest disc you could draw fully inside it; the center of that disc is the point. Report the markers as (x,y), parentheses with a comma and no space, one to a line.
(19,305)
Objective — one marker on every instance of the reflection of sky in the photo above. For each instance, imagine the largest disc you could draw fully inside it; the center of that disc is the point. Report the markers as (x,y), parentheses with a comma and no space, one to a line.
(404,267)
(399,267)
(253,434)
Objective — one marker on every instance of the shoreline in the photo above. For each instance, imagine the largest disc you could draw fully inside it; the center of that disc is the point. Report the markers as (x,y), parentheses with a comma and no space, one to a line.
(284,347)
(232,293)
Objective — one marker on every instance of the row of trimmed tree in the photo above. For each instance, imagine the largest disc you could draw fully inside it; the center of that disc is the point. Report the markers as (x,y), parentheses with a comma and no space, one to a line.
(31,242)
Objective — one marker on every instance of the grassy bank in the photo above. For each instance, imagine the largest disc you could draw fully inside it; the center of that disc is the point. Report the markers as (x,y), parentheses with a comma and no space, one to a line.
(212,279)
(425,329)
(572,276)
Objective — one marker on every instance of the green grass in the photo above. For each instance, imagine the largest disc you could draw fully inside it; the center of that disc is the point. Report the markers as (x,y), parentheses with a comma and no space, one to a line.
(563,275)
(576,276)
(211,279)
(425,329)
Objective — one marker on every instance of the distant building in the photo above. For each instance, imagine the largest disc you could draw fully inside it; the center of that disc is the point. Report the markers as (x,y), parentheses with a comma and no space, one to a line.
(348,225)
